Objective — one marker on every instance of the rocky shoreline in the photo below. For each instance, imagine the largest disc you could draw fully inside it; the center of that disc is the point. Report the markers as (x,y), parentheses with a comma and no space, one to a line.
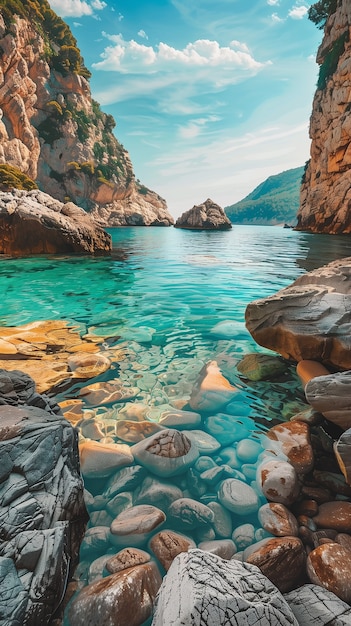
(199,504)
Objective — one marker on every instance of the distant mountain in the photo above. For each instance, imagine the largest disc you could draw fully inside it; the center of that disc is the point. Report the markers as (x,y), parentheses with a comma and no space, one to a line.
(275,201)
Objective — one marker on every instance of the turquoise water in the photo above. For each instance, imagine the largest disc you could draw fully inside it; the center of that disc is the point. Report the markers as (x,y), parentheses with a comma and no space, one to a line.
(162,293)
(172,300)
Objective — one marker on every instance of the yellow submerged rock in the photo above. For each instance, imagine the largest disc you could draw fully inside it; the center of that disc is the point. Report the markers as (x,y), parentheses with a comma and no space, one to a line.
(51,352)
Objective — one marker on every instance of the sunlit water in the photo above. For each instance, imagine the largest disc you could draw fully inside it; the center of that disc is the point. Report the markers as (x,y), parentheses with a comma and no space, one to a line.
(160,296)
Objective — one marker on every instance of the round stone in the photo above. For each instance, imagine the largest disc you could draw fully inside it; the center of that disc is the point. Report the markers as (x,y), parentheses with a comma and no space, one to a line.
(281,559)
(188,514)
(167,453)
(128,557)
(167,544)
(238,497)
(336,515)
(278,520)
(329,565)
(278,481)
(133,526)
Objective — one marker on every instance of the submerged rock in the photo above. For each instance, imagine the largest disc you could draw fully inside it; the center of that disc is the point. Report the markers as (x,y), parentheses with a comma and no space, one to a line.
(167,453)
(122,599)
(212,391)
(206,216)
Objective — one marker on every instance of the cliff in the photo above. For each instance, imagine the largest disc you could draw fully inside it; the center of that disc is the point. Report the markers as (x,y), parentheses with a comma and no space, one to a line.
(52,130)
(275,201)
(325,200)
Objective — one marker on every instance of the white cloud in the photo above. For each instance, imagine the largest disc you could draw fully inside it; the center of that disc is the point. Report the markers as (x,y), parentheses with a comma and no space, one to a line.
(201,61)
(298,12)
(239,45)
(272,3)
(142,34)
(276,18)
(194,127)
(77,24)
(98,5)
(76,8)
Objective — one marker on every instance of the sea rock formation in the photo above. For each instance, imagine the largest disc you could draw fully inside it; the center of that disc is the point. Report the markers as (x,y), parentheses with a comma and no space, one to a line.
(42,511)
(205,216)
(325,200)
(309,319)
(32,222)
(52,129)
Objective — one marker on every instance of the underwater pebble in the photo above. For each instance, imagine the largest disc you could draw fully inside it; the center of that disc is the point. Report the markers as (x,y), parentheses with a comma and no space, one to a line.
(238,497)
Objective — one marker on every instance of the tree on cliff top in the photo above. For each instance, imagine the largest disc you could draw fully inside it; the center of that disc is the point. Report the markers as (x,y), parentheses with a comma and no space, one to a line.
(319,12)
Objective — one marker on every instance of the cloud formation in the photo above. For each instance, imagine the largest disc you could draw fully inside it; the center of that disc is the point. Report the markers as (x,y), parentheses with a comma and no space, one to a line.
(203,60)
(76,8)
(298,12)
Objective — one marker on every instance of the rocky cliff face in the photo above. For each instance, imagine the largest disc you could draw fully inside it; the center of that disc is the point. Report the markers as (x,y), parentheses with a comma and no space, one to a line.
(325,202)
(52,129)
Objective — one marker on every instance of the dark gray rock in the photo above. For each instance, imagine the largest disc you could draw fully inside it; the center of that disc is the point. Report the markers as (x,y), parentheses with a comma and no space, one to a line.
(42,512)
(206,216)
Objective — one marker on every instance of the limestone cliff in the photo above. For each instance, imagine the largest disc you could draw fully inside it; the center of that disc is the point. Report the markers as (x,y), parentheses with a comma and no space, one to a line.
(325,201)
(52,129)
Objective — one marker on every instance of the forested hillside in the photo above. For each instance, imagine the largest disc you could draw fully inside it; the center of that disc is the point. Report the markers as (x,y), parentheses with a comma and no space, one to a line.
(275,201)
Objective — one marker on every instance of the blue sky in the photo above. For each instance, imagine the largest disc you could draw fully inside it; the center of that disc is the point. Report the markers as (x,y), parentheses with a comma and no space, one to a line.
(210,97)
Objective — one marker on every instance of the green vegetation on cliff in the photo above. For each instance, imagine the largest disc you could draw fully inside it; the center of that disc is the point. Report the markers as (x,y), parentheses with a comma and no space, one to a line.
(275,201)
(11,177)
(62,52)
(319,12)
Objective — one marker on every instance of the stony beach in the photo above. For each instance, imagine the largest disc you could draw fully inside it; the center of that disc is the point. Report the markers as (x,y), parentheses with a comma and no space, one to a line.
(193,501)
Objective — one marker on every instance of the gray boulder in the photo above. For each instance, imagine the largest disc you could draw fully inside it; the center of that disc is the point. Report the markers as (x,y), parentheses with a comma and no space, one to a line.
(313,605)
(42,511)
(206,216)
(202,589)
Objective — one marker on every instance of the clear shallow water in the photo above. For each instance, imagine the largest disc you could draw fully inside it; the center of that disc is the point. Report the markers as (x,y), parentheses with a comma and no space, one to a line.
(160,296)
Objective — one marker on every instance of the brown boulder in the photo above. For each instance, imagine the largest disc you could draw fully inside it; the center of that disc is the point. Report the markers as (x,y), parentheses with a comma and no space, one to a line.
(295,442)
(122,599)
(281,559)
(32,222)
(330,395)
(329,565)
(310,319)
(336,515)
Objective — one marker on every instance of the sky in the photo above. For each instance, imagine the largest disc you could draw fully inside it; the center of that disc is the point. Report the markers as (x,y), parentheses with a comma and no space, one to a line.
(210,97)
